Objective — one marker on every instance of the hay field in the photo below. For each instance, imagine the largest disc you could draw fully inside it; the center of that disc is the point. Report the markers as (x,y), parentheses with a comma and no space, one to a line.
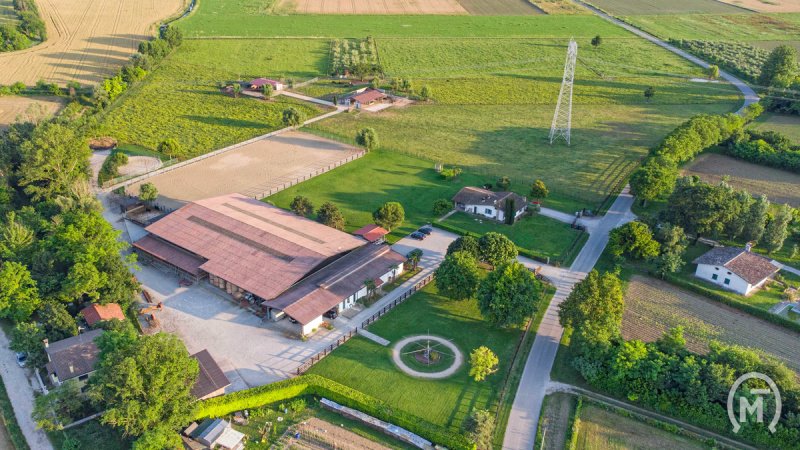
(767,6)
(779,185)
(12,108)
(652,307)
(401,7)
(86,40)
(250,170)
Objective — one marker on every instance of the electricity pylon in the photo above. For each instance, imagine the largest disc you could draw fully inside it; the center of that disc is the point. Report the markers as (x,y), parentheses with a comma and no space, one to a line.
(562,120)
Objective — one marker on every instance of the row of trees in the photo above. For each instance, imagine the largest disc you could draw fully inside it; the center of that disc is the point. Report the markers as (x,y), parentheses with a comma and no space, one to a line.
(781,78)
(665,375)
(768,148)
(390,215)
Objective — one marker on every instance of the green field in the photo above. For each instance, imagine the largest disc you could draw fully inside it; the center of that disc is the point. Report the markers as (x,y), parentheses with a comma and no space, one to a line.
(634,7)
(548,237)
(735,27)
(181,98)
(7,14)
(784,124)
(368,367)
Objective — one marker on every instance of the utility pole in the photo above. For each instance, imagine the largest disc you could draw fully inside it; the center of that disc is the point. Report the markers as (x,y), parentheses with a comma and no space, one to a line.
(562,119)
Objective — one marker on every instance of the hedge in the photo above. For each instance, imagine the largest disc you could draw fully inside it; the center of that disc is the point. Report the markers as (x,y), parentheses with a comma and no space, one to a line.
(310,384)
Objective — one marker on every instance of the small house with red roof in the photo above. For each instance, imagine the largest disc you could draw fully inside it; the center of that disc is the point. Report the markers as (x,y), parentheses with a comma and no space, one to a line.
(368,97)
(372,233)
(259,83)
(97,313)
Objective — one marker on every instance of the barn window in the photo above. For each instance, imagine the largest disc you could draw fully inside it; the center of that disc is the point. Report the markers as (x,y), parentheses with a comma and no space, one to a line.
(715,276)
(727,281)
(488,211)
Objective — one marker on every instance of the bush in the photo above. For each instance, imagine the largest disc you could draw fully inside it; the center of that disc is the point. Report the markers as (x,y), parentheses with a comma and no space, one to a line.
(442,207)
(111,165)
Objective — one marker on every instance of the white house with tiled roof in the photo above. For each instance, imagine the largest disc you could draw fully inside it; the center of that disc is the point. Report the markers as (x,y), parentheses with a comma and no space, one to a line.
(736,269)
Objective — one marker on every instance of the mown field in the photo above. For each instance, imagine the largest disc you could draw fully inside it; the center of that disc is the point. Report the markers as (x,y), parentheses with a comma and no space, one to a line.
(368,367)
(784,124)
(729,27)
(652,307)
(779,185)
(634,7)
(181,99)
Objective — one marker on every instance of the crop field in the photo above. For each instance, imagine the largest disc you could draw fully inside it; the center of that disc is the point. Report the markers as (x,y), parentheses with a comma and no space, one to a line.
(85,41)
(767,6)
(368,367)
(728,27)
(779,185)
(560,7)
(499,7)
(7,14)
(181,99)
(636,7)
(12,108)
(600,428)
(652,307)
(251,169)
(399,7)
(784,124)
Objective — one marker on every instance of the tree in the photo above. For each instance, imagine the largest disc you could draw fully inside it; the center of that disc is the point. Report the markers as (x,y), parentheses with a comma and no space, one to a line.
(649,93)
(442,206)
(28,338)
(52,161)
(503,183)
(594,308)
(328,214)
(669,262)
(371,288)
(780,68)
(634,239)
(267,90)
(170,147)
(114,87)
(414,257)
(508,296)
(58,323)
(148,192)
(756,219)
(19,297)
(302,206)
(712,72)
(481,429)
(292,117)
(390,215)
(496,249)
(777,229)
(482,363)
(539,190)
(425,93)
(159,438)
(468,244)
(458,276)
(510,211)
(173,36)
(144,383)
(236,89)
(596,41)
(60,406)
(367,138)
(375,83)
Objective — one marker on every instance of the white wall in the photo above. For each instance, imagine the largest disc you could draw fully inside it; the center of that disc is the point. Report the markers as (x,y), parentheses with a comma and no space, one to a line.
(314,324)
(481,209)
(737,284)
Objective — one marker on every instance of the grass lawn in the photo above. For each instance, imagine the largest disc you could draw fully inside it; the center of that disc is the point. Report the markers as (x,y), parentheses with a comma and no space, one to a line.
(91,435)
(368,367)
(181,100)
(730,27)
(543,235)
(784,124)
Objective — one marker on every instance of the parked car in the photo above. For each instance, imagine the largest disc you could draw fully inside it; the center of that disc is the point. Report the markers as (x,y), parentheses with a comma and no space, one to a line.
(22,358)
(418,236)
(292,319)
(332,314)
(426,230)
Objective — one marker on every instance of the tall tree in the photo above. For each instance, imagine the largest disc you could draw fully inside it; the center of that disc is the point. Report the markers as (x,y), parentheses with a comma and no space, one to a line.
(508,296)
(634,239)
(144,383)
(595,307)
(649,93)
(496,249)
(302,206)
(780,68)
(481,428)
(777,229)
(503,183)
(171,148)
(539,190)
(482,363)
(329,214)
(59,407)
(654,179)
(28,337)
(458,276)
(367,138)
(712,72)
(390,215)
(148,192)
(57,321)
(292,117)
(596,41)
(52,160)
(19,297)
(467,244)
(756,219)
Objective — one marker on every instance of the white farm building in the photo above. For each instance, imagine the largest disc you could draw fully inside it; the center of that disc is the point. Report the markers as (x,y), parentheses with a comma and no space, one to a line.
(490,204)
(735,269)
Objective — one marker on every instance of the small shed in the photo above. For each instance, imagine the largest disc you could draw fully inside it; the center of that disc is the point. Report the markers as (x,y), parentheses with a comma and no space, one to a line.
(372,233)
(97,313)
(259,84)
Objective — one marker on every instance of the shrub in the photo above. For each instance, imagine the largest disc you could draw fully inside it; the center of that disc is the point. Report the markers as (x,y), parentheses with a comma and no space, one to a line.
(111,165)
(442,206)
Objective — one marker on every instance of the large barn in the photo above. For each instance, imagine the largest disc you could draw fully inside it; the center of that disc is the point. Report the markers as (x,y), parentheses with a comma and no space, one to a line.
(283,263)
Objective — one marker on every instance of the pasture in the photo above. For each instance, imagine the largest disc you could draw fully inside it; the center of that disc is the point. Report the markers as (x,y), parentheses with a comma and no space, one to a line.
(400,7)
(784,124)
(13,108)
(601,428)
(85,41)
(637,7)
(779,186)
(368,367)
(181,99)
(767,6)
(652,307)
(750,28)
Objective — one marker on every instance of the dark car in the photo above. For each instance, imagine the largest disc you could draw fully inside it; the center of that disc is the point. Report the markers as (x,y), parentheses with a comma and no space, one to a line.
(332,314)
(418,236)
(292,319)
(425,230)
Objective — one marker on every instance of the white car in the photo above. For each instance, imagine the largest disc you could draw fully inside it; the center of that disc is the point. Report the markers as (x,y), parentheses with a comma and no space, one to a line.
(22,358)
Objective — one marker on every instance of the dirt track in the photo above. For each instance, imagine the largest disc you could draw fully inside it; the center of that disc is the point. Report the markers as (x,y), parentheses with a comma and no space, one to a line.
(26,107)
(87,39)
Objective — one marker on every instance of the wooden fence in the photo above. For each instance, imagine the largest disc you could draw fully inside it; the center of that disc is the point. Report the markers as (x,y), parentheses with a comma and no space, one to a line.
(274,190)
(327,350)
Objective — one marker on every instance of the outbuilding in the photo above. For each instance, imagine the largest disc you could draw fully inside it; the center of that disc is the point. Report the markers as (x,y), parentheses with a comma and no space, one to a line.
(259,83)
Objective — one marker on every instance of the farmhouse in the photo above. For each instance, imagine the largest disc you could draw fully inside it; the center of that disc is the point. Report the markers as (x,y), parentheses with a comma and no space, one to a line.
(72,357)
(93,314)
(490,204)
(259,84)
(736,269)
(280,263)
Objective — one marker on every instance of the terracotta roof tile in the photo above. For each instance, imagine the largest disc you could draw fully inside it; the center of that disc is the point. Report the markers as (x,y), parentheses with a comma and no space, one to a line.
(371,232)
(96,313)
(749,266)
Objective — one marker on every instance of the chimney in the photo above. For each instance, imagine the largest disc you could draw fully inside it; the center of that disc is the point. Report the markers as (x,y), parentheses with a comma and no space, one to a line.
(748,247)
(71,368)
(46,343)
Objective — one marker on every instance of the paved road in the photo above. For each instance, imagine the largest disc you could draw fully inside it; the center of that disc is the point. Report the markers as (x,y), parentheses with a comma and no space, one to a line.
(749,94)
(522,424)
(789,269)
(20,392)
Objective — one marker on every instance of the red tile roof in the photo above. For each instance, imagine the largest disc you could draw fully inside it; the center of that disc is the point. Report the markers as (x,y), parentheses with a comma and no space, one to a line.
(259,82)
(258,247)
(371,232)
(368,96)
(97,313)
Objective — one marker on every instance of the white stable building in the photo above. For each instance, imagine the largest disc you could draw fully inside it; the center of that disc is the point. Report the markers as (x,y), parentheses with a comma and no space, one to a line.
(489,204)
(735,269)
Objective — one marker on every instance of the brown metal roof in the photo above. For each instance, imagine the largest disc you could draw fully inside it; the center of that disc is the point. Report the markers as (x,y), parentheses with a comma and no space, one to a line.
(258,247)
(167,252)
(73,357)
(477,196)
(342,278)
(211,378)
(750,267)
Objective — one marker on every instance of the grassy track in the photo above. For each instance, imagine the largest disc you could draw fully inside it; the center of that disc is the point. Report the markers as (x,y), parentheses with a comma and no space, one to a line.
(785,124)
(368,367)
(636,7)
(181,99)
(736,27)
